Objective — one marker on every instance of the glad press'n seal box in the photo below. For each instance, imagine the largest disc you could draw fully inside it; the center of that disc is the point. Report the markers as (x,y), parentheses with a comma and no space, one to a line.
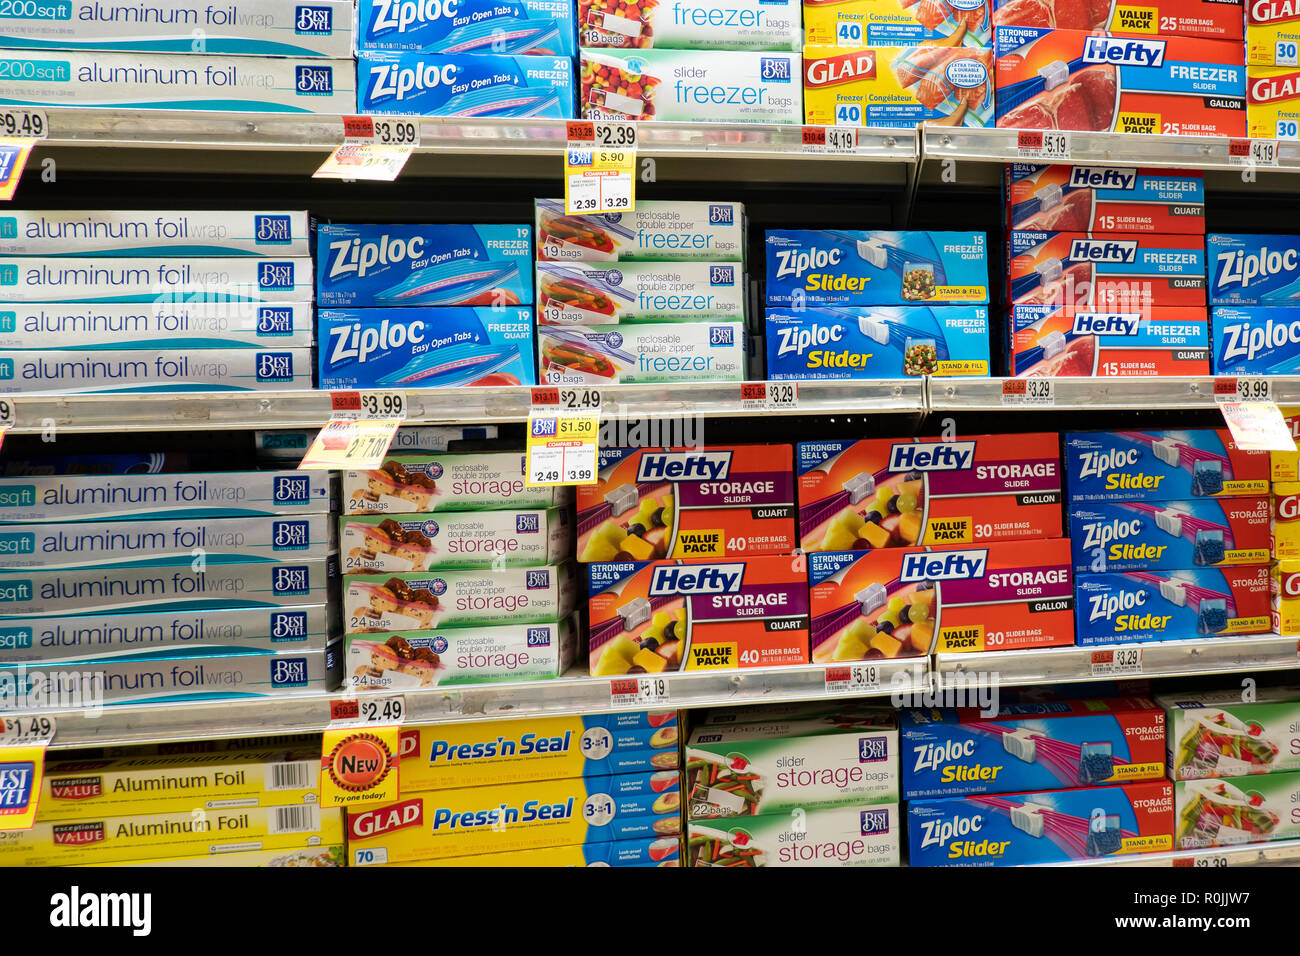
(839,836)
(102,232)
(1216,734)
(169,326)
(378,603)
(670,352)
(1103,199)
(748,25)
(1216,19)
(713,502)
(1137,606)
(1061,341)
(897,23)
(464,84)
(1163,536)
(655,232)
(578,293)
(372,544)
(1162,466)
(533,27)
(452,481)
(170,280)
(1229,811)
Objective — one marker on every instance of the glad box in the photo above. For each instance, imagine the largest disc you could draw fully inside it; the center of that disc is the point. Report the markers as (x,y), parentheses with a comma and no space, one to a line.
(1253,270)
(656,231)
(1284,524)
(464,84)
(717,501)
(378,603)
(1162,536)
(707,25)
(371,544)
(577,293)
(669,352)
(842,836)
(1273,101)
(1230,811)
(1103,199)
(1061,341)
(1272,33)
(1162,466)
(1138,606)
(894,493)
(451,481)
(659,616)
(1284,593)
(154,232)
(171,280)
(906,602)
(1216,734)
(536,27)
(895,23)
(157,325)
(1217,19)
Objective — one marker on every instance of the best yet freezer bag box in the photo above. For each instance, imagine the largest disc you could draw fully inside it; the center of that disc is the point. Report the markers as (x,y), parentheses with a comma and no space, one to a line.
(579,293)
(1216,734)
(872,23)
(1135,606)
(452,481)
(654,232)
(1214,19)
(1063,341)
(1160,536)
(1161,466)
(1103,199)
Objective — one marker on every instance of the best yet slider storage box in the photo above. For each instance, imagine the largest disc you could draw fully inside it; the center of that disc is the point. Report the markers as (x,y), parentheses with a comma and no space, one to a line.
(1161,466)
(836,836)
(1103,199)
(1229,811)
(1215,733)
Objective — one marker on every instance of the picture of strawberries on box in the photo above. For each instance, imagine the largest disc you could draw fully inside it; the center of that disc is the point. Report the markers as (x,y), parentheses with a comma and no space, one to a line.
(610,91)
(618,24)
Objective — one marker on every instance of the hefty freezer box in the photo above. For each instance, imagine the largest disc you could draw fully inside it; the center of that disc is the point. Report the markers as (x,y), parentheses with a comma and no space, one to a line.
(886,492)
(1075,80)
(897,23)
(651,851)
(1214,19)
(701,86)
(373,544)
(253,84)
(579,293)
(535,27)
(898,86)
(1273,100)
(1230,811)
(464,84)
(712,502)
(154,232)
(1058,826)
(648,353)
(402,265)
(1103,199)
(452,481)
(656,616)
(1061,341)
(807,268)
(885,342)
(1164,536)
(1215,733)
(425,348)
(171,370)
(378,603)
(158,325)
(842,836)
(708,25)
(906,602)
(1137,606)
(171,280)
(1262,340)
(1253,270)
(655,231)
(1161,466)
(1056,745)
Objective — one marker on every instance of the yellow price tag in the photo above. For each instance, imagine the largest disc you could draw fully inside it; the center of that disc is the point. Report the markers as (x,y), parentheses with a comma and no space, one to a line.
(13,159)
(22,763)
(346,443)
(561,448)
(600,167)
(359,765)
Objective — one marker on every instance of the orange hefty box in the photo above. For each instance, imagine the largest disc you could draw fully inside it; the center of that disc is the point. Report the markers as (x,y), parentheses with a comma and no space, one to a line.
(908,602)
(711,502)
(1061,342)
(657,616)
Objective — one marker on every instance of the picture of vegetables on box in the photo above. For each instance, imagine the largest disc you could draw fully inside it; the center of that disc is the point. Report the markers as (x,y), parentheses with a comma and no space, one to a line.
(1215,734)
(1235,810)
(840,836)
(656,231)
(455,597)
(575,293)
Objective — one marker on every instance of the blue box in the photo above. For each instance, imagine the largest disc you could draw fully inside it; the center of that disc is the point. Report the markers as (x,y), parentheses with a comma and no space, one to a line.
(1261,340)
(1133,607)
(387,265)
(535,27)
(1168,535)
(812,268)
(1161,466)
(424,348)
(887,342)
(1253,269)
(465,84)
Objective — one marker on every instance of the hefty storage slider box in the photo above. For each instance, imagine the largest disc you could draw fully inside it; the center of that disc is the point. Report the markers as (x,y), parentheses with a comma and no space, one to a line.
(651,617)
(372,544)
(182,370)
(905,602)
(464,84)
(1161,466)
(1061,341)
(536,27)
(1256,340)
(894,493)
(1103,199)
(451,481)
(1138,606)
(1042,746)
(378,603)
(579,293)
(1162,536)
(1215,734)
(160,325)
(717,501)
(1253,270)
(169,280)
(667,352)
(1233,810)
(655,231)
(768,25)
(1219,19)
(153,232)
(842,836)
(896,23)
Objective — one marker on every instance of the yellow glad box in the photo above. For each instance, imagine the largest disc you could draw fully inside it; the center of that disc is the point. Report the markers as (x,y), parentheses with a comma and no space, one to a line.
(1286,464)
(896,23)
(1285,592)
(1273,102)
(1284,520)
(1272,44)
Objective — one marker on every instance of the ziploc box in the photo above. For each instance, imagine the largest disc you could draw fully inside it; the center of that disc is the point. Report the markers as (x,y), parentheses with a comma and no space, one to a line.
(403,265)
(1214,733)
(1215,19)
(668,352)
(897,492)
(711,502)
(1057,826)
(784,765)
(658,616)
(579,293)
(1062,341)
(535,27)
(896,23)
(1229,811)
(1162,466)
(885,342)
(1273,101)
(1076,80)
(1103,199)
(464,84)
(707,25)
(1253,270)
(655,231)
(172,279)
(1284,523)
(1263,340)
(376,603)
(181,370)
(853,268)
(425,348)
(451,481)
(1138,606)
(906,602)
(1040,746)
(701,86)
(898,86)
(159,325)
(650,851)
(154,232)
(1162,536)
(371,544)
(169,82)
(839,836)
(517,816)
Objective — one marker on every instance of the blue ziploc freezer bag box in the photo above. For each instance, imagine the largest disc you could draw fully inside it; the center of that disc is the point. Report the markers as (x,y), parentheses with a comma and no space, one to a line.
(425,348)
(1261,340)
(401,265)
(1168,535)
(172,279)
(1253,269)
(887,342)
(465,84)
(535,27)
(1128,607)
(77,326)
(154,232)
(852,268)
(1161,466)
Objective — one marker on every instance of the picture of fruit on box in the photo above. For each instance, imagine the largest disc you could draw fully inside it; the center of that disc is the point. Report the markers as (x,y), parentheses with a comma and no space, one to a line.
(621,24)
(1216,738)
(617,92)
(889,620)
(640,535)
(891,517)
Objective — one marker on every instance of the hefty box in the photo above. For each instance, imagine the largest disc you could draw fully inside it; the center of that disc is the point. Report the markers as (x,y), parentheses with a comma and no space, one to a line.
(154,232)
(1233,810)
(668,352)
(451,481)
(378,603)
(656,616)
(534,27)
(1216,734)
(1213,19)
(1262,340)
(1137,606)
(897,23)
(400,265)
(1058,826)
(710,25)
(464,84)
(516,816)
(170,280)
(1054,745)
(1161,466)
(885,342)
(1103,199)
(159,325)
(1164,536)
(373,544)
(886,492)
(1253,270)
(1075,80)
(1273,102)
(841,836)
(580,293)
(656,232)
(1061,341)
(1284,525)
(905,602)
(713,502)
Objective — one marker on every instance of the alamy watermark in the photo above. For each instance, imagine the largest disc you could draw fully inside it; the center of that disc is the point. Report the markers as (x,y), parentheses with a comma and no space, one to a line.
(51,689)
(918,688)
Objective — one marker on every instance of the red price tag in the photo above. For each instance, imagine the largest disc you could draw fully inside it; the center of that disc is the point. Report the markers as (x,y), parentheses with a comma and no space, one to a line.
(1184,861)
(345,401)
(1029,139)
(1225,386)
(1239,147)
(753,391)
(545,396)
(359,126)
(345,709)
(581,131)
(1014,386)
(814,135)
(837,674)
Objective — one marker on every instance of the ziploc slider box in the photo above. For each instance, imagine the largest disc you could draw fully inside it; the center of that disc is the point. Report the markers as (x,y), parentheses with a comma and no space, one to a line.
(715,501)
(373,604)
(1075,80)
(670,352)
(1161,466)
(655,231)
(657,616)
(853,268)
(1137,606)
(905,602)
(896,23)
(1219,19)
(403,265)
(1056,826)
(371,544)
(1253,270)
(1229,811)
(160,325)
(1160,536)
(1103,199)
(164,81)
(171,280)
(1256,340)
(1119,272)
(649,851)
(186,370)
(1063,341)
(1284,520)
(885,342)
(518,816)
(451,481)
(577,293)
(1214,733)
(425,348)
(464,84)
(840,836)
(536,27)
(702,25)
(154,232)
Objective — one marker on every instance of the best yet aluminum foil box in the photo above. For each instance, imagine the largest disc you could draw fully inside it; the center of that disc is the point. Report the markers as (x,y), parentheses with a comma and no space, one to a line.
(154,232)
(456,598)
(766,25)
(895,23)
(535,27)
(162,326)
(1253,270)
(1214,19)
(451,481)
(1103,199)
(1164,536)
(464,84)
(1161,466)
(656,231)
(208,370)
(841,836)
(1135,606)
(1064,341)
(173,279)
(1214,733)
(1256,340)
(371,544)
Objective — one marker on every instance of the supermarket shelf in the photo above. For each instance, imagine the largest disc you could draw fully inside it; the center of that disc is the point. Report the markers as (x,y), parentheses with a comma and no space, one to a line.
(985,394)
(1281,853)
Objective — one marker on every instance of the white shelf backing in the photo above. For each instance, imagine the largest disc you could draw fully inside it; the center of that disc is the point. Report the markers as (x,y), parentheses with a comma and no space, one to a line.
(1119,394)
(1280,853)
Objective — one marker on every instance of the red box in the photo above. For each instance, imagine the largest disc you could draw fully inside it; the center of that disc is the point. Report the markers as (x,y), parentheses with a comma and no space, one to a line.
(1103,199)
(1208,19)
(1070,342)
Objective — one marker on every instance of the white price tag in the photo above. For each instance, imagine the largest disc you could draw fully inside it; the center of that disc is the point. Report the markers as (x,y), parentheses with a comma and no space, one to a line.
(6,413)
(396,131)
(24,124)
(1047,145)
(24,731)
(1244,388)
(579,399)
(857,678)
(1029,392)
(638,691)
(1252,152)
(381,709)
(599,167)
(606,135)
(383,404)
(1120,662)
(830,139)
(769,396)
